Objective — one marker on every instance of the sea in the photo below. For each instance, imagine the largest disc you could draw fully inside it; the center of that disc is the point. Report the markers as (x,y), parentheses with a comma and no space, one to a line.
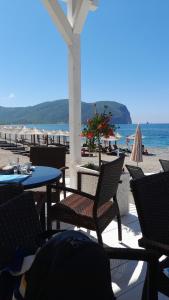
(153,135)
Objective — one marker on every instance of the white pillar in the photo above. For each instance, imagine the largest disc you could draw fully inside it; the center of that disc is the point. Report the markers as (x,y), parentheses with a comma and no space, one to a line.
(70,28)
(74,100)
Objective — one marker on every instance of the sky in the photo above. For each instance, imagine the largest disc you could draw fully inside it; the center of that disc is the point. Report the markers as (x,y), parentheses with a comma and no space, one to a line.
(124,56)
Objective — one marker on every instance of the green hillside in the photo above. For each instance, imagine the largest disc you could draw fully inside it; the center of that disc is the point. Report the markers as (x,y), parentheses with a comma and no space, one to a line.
(57,112)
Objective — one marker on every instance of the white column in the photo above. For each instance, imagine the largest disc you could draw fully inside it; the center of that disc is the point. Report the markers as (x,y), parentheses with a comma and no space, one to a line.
(74,100)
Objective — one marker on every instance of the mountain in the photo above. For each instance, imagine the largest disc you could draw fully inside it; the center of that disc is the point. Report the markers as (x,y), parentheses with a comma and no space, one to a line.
(57,112)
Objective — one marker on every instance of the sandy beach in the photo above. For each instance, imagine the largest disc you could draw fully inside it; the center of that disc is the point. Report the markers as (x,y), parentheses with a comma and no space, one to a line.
(150,162)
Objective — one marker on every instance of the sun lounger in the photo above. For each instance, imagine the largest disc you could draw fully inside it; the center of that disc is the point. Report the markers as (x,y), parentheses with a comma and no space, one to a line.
(6,145)
(13,148)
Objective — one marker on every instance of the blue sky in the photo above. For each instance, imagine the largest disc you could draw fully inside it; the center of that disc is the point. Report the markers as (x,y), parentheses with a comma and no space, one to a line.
(125,56)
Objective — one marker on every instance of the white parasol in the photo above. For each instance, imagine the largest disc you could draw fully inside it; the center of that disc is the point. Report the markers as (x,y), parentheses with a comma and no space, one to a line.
(136,154)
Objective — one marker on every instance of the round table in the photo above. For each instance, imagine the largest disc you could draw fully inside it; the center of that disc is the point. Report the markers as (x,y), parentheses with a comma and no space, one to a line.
(41,176)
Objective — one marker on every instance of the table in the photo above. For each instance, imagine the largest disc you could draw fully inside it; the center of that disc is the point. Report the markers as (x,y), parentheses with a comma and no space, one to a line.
(43,176)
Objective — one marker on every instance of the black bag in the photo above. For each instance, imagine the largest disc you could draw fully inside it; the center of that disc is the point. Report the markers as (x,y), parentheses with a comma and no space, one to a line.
(70,266)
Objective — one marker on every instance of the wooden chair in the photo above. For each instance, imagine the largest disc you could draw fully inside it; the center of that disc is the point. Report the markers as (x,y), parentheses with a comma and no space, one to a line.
(93,212)
(165,164)
(135,172)
(20,229)
(151,196)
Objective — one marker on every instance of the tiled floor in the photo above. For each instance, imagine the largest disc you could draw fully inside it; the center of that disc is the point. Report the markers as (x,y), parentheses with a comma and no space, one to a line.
(127,276)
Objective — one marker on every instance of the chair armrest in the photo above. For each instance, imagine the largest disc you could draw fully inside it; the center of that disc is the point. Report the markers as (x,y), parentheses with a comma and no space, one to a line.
(160,248)
(132,254)
(63,168)
(149,256)
(67,189)
(87,173)
(49,233)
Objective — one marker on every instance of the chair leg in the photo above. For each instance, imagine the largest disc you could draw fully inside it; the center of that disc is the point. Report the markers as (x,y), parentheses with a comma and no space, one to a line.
(42,217)
(99,237)
(119,228)
(144,291)
(57,225)
(150,288)
(64,183)
(118,220)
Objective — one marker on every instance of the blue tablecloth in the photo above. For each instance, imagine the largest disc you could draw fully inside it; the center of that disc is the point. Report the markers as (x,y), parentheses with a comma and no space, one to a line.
(13,177)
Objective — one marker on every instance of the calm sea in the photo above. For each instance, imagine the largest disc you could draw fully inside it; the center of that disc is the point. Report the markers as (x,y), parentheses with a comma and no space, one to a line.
(154,135)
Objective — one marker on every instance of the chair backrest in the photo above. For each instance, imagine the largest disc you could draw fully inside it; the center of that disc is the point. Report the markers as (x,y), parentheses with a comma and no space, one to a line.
(19,228)
(48,156)
(165,164)
(151,196)
(8,191)
(108,180)
(135,172)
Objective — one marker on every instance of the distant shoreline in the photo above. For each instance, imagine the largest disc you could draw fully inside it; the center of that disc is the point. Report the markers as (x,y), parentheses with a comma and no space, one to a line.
(155,135)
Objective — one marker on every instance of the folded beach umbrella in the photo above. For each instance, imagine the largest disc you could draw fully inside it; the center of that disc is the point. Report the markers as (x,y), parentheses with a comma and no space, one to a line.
(34,132)
(136,154)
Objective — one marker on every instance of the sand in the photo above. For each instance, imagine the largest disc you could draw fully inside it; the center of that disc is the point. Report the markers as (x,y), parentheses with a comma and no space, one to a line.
(150,163)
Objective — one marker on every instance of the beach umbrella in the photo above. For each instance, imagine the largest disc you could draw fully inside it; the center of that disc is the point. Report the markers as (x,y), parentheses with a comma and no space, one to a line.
(32,132)
(35,132)
(112,138)
(136,154)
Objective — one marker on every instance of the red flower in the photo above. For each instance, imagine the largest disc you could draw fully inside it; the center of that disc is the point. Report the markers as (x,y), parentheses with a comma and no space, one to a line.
(111,132)
(90,135)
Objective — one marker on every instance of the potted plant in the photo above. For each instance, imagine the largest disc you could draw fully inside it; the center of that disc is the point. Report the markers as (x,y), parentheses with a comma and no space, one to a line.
(97,127)
(100,125)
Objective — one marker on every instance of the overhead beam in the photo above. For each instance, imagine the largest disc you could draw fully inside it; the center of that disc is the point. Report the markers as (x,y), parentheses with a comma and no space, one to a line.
(80,16)
(60,20)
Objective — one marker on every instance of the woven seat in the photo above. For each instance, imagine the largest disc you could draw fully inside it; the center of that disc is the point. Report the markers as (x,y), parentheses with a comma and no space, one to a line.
(93,212)
(81,210)
(165,164)
(151,196)
(135,172)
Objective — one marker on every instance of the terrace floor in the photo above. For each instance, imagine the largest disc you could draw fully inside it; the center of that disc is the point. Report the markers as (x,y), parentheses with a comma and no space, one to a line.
(127,276)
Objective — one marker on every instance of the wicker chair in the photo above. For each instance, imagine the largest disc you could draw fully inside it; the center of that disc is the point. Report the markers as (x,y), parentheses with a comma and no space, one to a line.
(165,164)
(93,212)
(24,232)
(8,191)
(17,216)
(49,156)
(151,196)
(135,172)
